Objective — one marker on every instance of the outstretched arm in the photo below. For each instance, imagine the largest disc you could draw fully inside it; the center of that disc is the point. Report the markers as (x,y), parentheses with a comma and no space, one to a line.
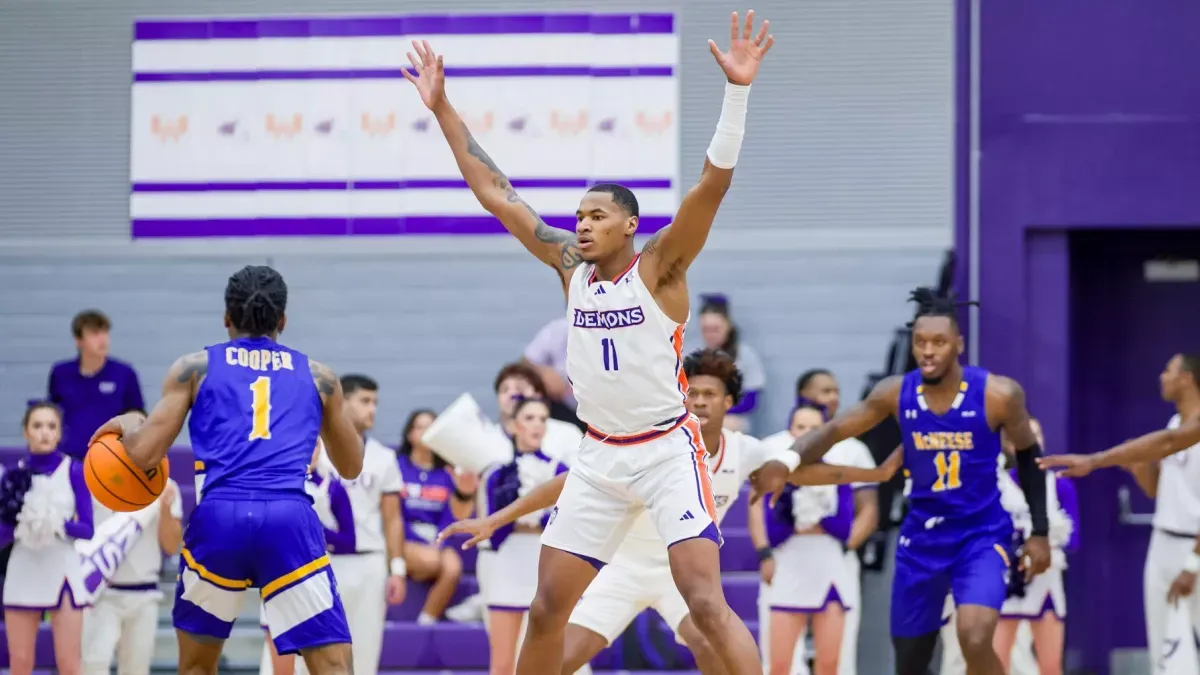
(836,474)
(342,442)
(542,497)
(861,418)
(557,248)
(672,250)
(1151,447)
(146,442)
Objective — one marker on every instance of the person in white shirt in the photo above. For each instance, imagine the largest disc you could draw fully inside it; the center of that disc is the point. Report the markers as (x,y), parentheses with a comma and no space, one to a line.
(371,574)
(123,622)
(639,576)
(1166,465)
(821,387)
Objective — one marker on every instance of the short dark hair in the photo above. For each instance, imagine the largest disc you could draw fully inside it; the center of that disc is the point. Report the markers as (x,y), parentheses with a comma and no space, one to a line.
(718,303)
(930,303)
(90,320)
(718,364)
(406,446)
(35,406)
(353,382)
(805,404)
(808,376)
(621,196)
(255,300)
(524,371)
(1190,363)
(524,401)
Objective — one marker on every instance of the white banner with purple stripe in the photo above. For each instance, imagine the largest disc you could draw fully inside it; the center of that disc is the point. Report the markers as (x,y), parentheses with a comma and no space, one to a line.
(305,126)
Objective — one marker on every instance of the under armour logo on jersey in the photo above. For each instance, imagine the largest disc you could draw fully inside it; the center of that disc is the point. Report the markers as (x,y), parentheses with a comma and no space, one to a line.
(968,413)
(600,291)
(687,515)
(904,541)
(910,414)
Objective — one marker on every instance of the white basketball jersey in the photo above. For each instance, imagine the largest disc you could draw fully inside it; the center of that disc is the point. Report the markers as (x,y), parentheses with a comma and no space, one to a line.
(1177,507)
(624,355)
(738,457)
(380,476)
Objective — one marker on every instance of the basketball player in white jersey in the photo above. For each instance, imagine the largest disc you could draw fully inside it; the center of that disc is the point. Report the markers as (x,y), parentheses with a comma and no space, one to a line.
(627,311)
(1166,465)
(124,619)
(640,574)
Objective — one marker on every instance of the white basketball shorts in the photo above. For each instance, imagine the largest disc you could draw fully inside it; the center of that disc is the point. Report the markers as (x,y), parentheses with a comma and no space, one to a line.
(621,592)
(617,477)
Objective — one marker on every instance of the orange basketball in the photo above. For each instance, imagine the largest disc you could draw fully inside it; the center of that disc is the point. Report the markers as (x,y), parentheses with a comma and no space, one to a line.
(115,482)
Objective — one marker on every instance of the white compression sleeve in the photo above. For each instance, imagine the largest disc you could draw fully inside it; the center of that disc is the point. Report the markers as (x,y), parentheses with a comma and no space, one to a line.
(727,141)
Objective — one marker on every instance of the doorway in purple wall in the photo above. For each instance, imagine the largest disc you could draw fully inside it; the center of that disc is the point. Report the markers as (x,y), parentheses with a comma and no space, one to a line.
(1124,328)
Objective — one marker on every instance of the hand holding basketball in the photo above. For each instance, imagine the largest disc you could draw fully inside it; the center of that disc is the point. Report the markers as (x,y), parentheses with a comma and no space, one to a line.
(115,481)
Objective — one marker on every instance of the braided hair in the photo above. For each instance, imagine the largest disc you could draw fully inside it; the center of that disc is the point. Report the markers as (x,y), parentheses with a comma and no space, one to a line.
(255,300)
(931,303)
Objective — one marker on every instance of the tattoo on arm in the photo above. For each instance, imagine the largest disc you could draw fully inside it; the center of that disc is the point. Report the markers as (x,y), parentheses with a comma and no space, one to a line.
(651,246)
(192,367)
(569,257)
(323,377)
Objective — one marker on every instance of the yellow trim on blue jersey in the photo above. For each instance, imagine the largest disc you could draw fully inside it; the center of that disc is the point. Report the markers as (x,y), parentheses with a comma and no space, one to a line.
(199,465)
(214,579)
(306,570)
(1003,554)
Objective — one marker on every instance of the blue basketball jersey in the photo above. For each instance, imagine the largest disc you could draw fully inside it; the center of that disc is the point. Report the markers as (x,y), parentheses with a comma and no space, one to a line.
(951,458)
(255,421)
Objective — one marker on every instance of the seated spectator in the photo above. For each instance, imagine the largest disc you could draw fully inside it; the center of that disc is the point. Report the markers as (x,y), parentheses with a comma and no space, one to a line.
(819,386)
(432,498)
(44,571)
(547,353)
(719,332)
(91,388)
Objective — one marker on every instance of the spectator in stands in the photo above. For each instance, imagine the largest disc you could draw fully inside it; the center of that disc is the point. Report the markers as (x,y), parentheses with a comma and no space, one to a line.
(432,498)
(91,388)
(547,353)
(123,622)
(44,571)
(819,386)
(517,381)
(806,582)
(719,332)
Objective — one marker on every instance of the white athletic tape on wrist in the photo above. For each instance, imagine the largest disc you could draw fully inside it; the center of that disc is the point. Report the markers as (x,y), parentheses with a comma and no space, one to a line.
(397,567)
(731,127)
(1192,563)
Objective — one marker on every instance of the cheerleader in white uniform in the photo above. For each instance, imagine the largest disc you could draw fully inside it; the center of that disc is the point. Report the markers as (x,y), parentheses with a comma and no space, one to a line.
(513,568)
(806,576)
(1044,605)
(44,571)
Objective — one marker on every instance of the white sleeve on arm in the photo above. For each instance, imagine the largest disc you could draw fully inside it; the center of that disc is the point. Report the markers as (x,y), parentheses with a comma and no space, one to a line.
(755,453)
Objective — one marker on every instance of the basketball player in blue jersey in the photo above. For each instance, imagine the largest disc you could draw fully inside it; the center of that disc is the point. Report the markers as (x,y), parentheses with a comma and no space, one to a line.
(957,537)
(257,408)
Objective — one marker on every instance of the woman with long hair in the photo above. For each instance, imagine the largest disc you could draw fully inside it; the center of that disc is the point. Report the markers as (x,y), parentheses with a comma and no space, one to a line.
(44,506)
(800,541)
(518,545)
(1043,603)
(720,332)
(434,496)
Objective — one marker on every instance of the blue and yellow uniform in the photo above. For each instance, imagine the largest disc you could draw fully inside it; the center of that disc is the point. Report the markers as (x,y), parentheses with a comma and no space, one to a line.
(957,537)
(254,425)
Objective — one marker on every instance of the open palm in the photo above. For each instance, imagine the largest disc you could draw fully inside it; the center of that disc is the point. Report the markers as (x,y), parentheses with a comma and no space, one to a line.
(430,78)
(741,62)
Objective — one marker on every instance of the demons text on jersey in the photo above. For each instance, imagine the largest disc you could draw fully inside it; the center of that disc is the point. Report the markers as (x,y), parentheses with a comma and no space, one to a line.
(609,318)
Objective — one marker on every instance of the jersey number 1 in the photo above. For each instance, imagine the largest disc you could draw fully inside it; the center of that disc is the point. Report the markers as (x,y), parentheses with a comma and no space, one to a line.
(608,348)
(260,406)
(948,467)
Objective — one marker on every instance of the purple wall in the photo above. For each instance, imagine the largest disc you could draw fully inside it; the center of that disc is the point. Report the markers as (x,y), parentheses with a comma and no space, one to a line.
(1089,119)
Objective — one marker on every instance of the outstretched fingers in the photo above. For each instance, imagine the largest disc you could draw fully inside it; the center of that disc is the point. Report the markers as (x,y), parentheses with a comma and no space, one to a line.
(749,25)
(762,34)
(734,25)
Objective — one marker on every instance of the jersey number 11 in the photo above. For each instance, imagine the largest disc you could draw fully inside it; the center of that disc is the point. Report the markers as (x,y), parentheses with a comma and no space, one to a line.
(608,347)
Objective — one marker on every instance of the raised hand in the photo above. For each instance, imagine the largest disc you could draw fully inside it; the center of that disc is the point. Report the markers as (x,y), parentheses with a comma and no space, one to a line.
(478,528)
(430,78)
(741,62)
